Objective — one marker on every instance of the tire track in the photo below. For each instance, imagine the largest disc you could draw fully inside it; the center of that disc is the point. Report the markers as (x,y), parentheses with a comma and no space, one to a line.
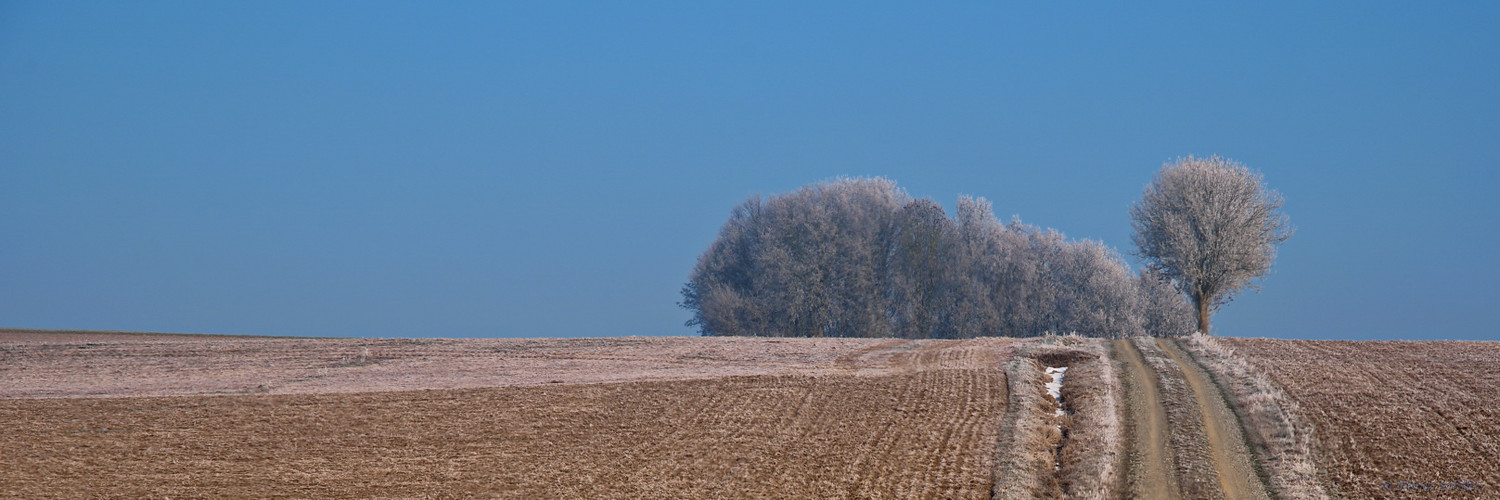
(1192,413)
(1148,464)
(1231,457)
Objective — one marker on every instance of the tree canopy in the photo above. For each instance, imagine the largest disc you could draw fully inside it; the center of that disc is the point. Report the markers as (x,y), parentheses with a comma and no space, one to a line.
(861,258)
(1211,226)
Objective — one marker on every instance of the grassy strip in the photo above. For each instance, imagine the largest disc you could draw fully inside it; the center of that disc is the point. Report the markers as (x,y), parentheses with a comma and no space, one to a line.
(1028,435)
(1091,453)
(1281,441)
(1089,435)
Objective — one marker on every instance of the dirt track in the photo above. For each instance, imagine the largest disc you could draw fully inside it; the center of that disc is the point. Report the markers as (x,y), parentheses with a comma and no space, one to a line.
(1226,440)
(1148,468)
(1154,469)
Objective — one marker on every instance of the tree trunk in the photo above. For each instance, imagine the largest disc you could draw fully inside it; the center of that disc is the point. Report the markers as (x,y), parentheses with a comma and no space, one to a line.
(1202,304)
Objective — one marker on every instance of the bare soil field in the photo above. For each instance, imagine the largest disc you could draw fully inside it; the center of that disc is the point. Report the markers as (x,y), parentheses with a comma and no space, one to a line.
(824,418)
(99,414)
(1394,419)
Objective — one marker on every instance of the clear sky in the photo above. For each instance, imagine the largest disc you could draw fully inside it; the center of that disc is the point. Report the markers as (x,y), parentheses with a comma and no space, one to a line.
(522,169)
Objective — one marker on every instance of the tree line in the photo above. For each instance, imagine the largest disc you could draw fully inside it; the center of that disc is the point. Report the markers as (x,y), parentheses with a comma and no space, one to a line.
(861,258)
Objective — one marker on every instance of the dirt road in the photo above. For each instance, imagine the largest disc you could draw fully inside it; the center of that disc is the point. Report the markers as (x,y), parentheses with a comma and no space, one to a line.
(1148,464)
(1153,468)
(1226,440)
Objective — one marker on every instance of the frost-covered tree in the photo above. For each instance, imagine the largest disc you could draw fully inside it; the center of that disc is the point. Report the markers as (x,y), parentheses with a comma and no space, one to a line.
(804,264)
(981,260)
(1095,292)
(1164,312)
(861,258)
(920,265)
(1211,226)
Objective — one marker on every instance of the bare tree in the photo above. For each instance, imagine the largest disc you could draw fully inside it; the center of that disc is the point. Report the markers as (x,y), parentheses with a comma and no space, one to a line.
(1211,226)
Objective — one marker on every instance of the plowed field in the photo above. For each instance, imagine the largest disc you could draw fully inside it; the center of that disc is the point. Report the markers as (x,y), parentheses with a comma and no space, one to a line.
(1394,419)
(890,419)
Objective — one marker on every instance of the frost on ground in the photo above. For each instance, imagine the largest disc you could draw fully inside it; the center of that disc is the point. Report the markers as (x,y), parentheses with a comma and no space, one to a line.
(1044,454)
(871,419)
(1384,412)
(1054,388)
(38,364)
(1275,430)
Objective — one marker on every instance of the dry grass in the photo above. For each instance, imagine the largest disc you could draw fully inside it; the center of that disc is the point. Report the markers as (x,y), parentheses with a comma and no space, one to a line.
(1279,438)
(1393,419)
(884,420)
(1091,454)
(1074,456)
(1192,458)
(1028,437)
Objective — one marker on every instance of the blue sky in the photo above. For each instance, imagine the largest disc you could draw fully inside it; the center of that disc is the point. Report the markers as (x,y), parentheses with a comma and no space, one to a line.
(554,169)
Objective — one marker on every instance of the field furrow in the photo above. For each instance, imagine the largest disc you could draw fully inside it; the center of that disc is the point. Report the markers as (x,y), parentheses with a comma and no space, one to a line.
(907,420)
(1394,419)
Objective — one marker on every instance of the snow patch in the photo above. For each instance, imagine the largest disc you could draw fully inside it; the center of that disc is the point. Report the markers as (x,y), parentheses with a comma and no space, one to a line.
(1055,386)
